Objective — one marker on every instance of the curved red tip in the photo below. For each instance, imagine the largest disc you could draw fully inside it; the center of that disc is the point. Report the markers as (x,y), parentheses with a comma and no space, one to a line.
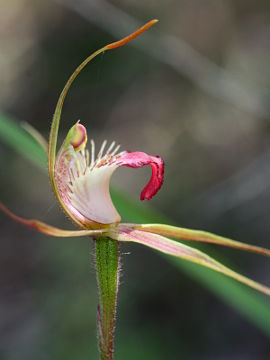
(139,159)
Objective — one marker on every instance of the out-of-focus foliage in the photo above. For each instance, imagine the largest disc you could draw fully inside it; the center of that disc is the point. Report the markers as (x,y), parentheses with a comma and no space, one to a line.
(217,173)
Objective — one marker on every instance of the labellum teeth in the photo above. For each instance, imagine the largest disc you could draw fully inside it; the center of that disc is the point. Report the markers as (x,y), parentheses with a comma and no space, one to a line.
(83,180)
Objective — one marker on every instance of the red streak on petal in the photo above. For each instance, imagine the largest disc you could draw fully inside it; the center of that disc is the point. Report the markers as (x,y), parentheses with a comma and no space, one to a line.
(139,159)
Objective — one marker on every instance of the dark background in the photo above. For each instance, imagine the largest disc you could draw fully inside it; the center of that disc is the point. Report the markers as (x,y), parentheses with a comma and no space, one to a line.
(194,90)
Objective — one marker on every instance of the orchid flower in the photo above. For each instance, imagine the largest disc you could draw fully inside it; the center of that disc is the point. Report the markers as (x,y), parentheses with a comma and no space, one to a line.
(80,180)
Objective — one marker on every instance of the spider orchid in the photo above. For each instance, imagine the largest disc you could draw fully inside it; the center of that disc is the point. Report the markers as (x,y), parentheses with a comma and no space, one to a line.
(80,181)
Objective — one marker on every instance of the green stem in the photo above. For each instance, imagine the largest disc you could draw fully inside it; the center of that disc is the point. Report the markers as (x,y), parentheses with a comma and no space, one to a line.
(107,255)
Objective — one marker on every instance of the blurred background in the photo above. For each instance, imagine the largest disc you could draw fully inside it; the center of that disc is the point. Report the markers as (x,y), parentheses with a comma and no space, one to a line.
(195,89)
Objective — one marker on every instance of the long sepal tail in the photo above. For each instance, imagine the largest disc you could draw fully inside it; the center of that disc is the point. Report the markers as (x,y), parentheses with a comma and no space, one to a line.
(49,229)
(57,114)
(199,236)
(182,251)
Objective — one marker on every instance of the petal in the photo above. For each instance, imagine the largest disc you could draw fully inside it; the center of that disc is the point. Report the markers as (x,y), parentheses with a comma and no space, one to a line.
(199,236)
(48,229)
(57,114)
(138,159)
(170,247)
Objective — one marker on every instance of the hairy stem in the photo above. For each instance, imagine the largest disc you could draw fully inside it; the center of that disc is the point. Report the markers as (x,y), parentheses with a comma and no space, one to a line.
(107,255)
